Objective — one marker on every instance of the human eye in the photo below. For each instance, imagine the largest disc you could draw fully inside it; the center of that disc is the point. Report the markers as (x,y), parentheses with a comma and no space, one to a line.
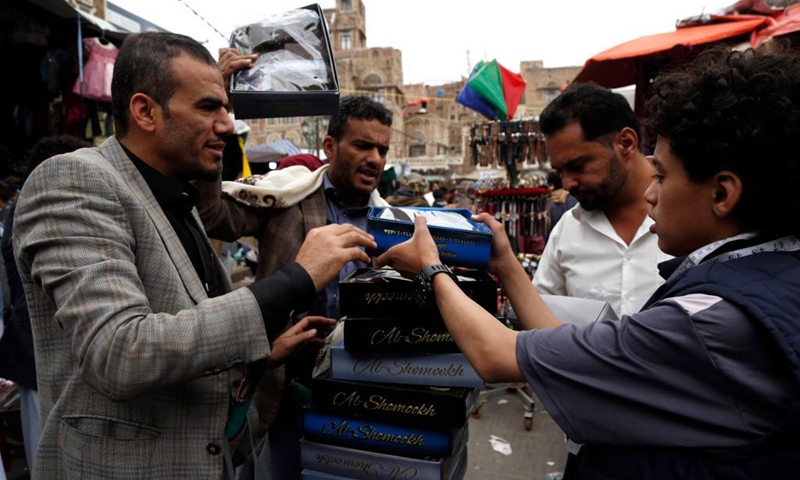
(575,166)
(657,177)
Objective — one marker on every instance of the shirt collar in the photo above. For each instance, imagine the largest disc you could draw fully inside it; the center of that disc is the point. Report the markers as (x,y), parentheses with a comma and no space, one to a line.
(668,267)
(169,193)
(737,246)
(597,220)
(333,195)
(581,213)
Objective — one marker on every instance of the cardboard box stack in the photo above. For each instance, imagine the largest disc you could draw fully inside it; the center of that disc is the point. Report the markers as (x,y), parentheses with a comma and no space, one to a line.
(396,400)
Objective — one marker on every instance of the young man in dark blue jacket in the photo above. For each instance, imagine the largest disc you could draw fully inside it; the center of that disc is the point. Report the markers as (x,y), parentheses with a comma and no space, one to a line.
(703,382)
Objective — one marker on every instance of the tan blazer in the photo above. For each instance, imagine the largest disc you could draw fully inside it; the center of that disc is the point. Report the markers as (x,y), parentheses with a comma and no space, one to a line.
(135,363)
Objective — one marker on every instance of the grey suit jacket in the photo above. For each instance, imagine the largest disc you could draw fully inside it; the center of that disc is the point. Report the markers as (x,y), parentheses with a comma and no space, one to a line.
(135,363)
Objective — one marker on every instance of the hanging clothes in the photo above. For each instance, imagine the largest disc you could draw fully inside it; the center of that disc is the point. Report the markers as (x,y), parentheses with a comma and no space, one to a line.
(55,71)
(98,70)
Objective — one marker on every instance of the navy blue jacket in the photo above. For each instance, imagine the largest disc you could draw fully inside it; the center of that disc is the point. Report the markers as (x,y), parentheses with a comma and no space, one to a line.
(766,286)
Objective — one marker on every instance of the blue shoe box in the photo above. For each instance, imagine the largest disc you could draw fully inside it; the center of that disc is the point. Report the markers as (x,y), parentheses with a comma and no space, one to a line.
(457,247)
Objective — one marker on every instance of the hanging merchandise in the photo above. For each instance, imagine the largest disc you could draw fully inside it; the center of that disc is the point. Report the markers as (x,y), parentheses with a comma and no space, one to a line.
(523,214)
(95,82)
(508,145)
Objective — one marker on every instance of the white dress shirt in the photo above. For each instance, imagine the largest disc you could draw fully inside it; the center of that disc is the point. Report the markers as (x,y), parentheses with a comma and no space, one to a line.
(585,257)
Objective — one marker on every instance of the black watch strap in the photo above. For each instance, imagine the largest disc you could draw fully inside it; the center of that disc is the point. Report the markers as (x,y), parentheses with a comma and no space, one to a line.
(425,277)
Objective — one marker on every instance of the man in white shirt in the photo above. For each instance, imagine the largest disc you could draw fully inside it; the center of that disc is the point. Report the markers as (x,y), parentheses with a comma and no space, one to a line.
(603,248)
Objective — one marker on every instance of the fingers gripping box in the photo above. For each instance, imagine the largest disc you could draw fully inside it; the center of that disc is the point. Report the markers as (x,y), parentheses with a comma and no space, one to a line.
(461,241)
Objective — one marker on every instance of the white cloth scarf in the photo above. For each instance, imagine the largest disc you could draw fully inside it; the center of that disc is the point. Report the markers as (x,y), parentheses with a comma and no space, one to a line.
(282,188)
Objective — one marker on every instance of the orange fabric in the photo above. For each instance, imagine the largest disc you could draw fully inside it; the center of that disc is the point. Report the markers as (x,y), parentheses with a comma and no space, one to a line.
(616,67)
(687,37)
(787,22)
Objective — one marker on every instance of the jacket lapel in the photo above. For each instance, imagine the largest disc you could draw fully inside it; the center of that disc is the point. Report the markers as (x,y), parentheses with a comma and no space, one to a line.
(315,210)
(112,151)
(222,273)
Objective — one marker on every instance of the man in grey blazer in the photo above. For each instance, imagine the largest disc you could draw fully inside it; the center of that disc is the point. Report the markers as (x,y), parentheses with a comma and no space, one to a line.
(145,356)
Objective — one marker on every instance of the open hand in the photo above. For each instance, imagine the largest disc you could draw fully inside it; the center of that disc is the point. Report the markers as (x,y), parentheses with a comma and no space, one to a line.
(327,249)
(411,256)
(297,336)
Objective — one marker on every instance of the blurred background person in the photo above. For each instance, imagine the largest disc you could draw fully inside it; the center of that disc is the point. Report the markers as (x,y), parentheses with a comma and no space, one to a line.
(560,200)
(464,196)
(411,192)
(311,162)
(16,346)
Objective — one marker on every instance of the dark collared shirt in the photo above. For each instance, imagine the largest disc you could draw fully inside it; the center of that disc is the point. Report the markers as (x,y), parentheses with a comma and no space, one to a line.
(277,295)
(177,199)
(327,303)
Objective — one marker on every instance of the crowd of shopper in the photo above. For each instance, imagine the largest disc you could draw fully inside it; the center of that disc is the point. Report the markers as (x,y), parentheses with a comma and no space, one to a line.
(148,364)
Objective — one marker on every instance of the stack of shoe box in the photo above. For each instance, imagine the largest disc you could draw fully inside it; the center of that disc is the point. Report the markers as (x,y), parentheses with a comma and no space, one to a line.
(396,399)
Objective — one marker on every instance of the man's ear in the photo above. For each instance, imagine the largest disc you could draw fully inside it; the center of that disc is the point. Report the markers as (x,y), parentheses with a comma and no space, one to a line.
(627,142)
(329,147)
(727,191)
(144,111)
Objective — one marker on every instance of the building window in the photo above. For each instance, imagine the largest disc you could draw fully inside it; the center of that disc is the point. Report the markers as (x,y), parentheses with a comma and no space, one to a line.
(416,150)
(379,95)
(550,95)
(345,40)
(373,79)
(347,5)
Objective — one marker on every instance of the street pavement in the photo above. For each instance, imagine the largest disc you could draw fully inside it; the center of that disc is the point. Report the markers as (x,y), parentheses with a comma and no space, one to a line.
(538,454)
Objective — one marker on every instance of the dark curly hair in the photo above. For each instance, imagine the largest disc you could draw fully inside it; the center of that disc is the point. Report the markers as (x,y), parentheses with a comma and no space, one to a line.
(51,146)
(737,111)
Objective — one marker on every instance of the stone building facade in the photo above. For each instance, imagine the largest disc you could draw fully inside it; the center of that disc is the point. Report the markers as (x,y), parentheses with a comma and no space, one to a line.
(543,84)
(437,129)
(431,130)
(377,72)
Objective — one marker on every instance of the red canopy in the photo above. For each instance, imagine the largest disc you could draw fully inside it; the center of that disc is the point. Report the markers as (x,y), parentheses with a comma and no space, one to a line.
(785,23)
(617,66)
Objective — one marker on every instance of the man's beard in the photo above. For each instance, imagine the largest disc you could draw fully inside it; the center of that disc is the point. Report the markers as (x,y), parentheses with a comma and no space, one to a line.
(211,175)
(607,191)
(345,185)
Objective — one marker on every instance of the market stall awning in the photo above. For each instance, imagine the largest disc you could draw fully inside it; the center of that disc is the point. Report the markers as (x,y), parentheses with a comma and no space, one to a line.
(63,9)
(272,151)
(786,23)
(616,67)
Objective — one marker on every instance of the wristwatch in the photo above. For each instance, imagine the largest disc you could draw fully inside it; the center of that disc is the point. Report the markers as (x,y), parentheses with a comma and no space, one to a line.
(425,277)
